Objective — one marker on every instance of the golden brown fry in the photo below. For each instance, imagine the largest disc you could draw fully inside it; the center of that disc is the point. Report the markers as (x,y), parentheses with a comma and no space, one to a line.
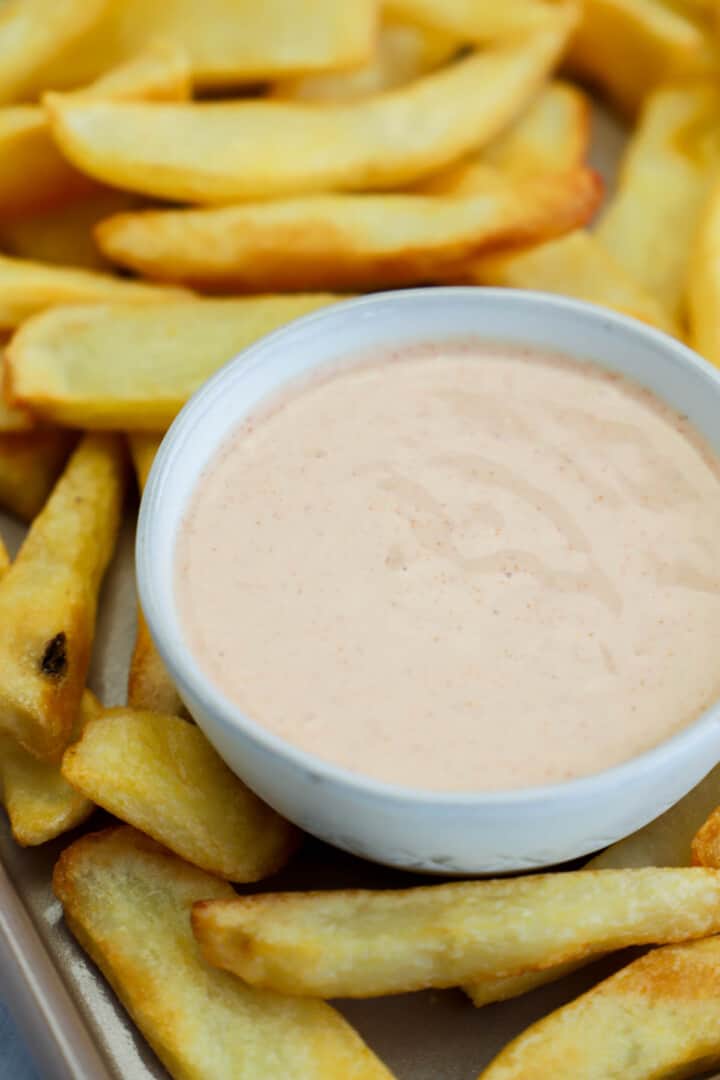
(12,419)
(28,287)
(706,844)
(703,282)
(479,21)
(656,1018)
(48,598)
(345,242)
(35,175)
(227,41)
(256,148)
(64,236)
(630,47)
(357,943)
(663,842)
(665,178)
(575,265)
(30,463)
(39,801)
(128,902)
(132,367)
(149,684)
(160,774)
(552,136)
(159,71)
(403,52)
(33,33)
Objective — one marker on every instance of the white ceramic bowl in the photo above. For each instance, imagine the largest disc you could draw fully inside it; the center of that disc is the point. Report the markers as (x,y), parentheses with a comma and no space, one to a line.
(429,831)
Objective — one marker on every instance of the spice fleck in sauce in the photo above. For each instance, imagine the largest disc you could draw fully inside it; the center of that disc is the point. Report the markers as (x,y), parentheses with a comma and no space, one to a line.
(460,568)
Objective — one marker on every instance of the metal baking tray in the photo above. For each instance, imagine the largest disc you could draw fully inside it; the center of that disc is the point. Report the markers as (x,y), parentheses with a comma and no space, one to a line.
(73,1024)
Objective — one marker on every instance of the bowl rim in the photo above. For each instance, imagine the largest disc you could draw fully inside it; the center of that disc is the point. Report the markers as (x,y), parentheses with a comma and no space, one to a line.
(187,672)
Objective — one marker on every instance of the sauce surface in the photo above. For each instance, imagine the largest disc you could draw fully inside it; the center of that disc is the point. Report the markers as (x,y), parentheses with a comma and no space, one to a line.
(460,568)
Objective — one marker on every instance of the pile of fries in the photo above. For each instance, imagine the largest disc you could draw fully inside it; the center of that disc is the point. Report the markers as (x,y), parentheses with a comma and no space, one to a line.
(284,154)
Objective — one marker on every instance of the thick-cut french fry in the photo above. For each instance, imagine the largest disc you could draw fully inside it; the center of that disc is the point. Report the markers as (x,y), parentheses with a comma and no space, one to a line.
(575,265)
(649,225)
(236,150)
(33,33)
(227,41)
(39,801)
(34,174)
(551,137)
(656,1018)
(28,287)
(358,943)
(159,71)
(12,419)
(128,902)
(703,282)
(132,367)
(149,684)
(706,844)
(666,841)
(64,235)
(630,47)
(48,598)
(30,463)
(403,52)
(477,21)
(346,242)
(160,774)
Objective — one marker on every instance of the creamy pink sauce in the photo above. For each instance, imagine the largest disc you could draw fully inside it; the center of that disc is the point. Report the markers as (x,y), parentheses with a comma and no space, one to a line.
(460,568)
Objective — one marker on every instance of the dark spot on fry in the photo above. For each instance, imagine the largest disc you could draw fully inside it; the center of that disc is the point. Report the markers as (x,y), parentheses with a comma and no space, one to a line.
(54,659)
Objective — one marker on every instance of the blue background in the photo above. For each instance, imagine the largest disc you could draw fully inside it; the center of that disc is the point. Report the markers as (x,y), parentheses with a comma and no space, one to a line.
(14,1061)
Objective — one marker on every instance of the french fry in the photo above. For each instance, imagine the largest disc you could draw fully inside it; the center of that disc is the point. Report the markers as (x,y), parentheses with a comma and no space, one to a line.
(552,136)
(628,48)
(575,265)
(28,287)
(48,598)
(706,844)
(403,52)
(246,149)
(33,33)
(149,684)
(159,71)
(666,841)
(128,901)
(35,175)
(656,1018)
(345,242)
(160,774)
(666,175)
(133,367)
(703,282)
(358,943)
(64,235)
(39,801)
(478,21)
(12,419)
(227,41)
(30,463)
